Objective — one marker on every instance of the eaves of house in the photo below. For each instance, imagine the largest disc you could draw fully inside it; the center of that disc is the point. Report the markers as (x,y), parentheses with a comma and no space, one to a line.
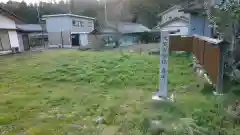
(185,19)
(30,28)
(10,15)
(123,28)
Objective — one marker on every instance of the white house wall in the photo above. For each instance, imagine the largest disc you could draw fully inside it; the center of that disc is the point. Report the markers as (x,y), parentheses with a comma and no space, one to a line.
(57,39)
(65,23)
(173,14)
(58,24)
(6,23)
(177,23)
(181,25)
(4,39)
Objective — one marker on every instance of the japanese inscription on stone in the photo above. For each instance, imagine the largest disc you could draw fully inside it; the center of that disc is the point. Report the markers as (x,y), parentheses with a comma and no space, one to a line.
(164,52)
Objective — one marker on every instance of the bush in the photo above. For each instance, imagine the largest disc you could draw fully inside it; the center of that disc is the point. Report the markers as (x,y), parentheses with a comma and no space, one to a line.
(235,90)
(214,119)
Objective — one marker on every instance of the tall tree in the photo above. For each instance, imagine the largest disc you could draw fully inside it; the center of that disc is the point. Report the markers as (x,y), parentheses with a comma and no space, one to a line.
(147,10)
(139,11)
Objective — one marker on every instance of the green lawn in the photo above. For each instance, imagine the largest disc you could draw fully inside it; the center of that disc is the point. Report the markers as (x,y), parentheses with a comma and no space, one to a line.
(64,92)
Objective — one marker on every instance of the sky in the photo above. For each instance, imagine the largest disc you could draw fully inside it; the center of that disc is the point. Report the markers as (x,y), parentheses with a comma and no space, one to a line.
(35,1)
(31,1)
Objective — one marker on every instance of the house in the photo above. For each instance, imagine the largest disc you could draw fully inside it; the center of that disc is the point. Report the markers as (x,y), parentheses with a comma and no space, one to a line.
(68,30)
(199,23)
(177,23)
(117,34)
(173,19)
(131,33)
(9,39)
(128,33)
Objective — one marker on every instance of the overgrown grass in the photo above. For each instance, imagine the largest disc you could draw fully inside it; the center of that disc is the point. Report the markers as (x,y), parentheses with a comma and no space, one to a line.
(64,92)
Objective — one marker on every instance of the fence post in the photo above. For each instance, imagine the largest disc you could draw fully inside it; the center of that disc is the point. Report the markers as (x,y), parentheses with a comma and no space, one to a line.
(219,86)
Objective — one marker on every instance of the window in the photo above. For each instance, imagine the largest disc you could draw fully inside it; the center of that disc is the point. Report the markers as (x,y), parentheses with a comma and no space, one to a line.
(81,24)
(73,22)
(77,23)
(90,24)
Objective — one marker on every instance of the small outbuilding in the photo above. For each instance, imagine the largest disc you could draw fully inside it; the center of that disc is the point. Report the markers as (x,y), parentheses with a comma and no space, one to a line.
(31,35)
(68,30)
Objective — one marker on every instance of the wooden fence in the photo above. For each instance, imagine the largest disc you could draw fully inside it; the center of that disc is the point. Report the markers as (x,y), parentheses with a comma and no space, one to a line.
(207,52)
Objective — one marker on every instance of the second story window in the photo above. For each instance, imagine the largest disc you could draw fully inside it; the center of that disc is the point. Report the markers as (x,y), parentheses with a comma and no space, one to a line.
(73,22)
(81,24)
(90,24)
(77,23)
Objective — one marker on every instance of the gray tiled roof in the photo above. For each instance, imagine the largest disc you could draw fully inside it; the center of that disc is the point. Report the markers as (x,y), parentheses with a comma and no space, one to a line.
(124,28)
(174,19)
(132,28)
(71,15)
(30,27)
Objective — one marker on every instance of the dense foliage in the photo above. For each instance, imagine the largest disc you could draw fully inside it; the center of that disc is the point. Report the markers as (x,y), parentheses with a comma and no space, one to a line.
(141,11)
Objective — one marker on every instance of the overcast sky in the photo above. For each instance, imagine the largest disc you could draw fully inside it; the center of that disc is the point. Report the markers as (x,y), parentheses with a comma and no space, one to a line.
(36,1)
(31,1)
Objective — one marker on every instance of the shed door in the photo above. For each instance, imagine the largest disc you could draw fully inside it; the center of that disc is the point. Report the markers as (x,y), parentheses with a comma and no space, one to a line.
(84,39)
(25,42)
(13,38)
(75,39)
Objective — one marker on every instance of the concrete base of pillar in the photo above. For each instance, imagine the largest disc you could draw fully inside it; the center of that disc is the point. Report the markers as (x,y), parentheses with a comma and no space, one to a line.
(163,99)
(215,93)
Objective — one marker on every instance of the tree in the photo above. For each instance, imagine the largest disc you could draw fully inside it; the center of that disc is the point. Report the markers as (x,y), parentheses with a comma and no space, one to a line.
(137,11)
(147,10)
(225,18)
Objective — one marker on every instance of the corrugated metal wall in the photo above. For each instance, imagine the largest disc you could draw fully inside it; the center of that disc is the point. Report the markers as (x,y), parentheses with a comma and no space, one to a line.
(206,53)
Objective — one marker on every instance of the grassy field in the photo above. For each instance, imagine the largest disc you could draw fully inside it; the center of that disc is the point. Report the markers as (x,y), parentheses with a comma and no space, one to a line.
(95,93)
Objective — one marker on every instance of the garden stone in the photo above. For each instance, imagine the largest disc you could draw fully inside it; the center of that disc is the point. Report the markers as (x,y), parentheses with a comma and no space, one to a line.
(100,120)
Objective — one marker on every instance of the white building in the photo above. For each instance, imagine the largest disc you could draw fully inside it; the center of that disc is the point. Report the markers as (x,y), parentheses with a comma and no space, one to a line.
(9,39)
(172,19)
(68,30)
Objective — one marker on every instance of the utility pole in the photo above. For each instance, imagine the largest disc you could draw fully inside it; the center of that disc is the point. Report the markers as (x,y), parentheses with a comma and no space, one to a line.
(70,3)
(40,23)
(38,13)
(105,11)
